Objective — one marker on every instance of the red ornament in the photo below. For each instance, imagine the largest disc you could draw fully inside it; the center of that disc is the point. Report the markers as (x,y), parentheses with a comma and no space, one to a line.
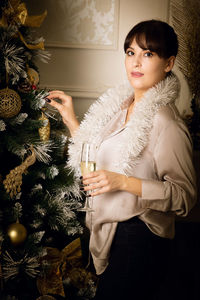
(34,87)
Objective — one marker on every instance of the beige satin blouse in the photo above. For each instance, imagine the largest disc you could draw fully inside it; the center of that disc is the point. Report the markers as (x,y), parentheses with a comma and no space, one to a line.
(168,182)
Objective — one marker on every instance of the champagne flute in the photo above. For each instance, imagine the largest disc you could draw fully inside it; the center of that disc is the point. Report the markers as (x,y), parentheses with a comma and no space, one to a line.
(88,165)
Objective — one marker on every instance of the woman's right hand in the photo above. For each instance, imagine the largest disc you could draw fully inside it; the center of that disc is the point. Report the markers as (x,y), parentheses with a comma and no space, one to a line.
(65,108)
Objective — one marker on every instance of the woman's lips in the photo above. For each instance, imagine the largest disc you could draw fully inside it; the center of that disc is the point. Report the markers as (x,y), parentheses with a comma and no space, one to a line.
(136,74)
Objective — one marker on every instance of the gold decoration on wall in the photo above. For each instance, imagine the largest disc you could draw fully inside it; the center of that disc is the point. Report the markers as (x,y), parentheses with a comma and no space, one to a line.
(44,131)
(16,13)
(13,181)
(10,103)
(17,233)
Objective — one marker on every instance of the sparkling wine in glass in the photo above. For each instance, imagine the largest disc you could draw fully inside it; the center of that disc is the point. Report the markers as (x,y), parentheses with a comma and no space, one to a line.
(87,165)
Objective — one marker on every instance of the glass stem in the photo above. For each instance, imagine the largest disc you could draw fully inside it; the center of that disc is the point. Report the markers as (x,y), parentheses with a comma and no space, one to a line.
(87,201)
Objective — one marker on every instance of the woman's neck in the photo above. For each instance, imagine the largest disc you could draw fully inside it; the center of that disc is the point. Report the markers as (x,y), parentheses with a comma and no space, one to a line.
(138,95)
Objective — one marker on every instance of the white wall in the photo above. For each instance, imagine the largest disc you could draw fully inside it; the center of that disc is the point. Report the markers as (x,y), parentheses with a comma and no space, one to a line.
(86,73)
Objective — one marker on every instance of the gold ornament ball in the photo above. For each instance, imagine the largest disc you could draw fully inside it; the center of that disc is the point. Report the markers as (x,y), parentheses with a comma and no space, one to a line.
(33,76)
(10,103)
(17,233)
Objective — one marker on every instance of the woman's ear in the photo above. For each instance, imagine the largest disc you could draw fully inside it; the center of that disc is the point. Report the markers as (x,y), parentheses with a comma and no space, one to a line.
(170,63)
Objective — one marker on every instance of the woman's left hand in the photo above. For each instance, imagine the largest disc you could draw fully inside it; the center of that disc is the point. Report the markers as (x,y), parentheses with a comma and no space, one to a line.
(103,181)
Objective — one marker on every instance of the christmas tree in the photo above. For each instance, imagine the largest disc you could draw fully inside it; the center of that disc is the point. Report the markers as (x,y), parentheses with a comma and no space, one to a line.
(41,251)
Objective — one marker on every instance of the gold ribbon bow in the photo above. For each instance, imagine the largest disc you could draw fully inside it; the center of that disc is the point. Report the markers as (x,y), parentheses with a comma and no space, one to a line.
(63,264)
(17,14)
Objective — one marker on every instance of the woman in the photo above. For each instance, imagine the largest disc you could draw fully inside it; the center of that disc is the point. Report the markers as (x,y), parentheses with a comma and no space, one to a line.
(144,171)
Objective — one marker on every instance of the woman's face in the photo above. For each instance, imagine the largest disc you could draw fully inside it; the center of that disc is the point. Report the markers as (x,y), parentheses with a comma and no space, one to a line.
(145,68)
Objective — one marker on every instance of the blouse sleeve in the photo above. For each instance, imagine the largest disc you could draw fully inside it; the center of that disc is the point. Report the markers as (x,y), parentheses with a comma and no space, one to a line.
(175,189)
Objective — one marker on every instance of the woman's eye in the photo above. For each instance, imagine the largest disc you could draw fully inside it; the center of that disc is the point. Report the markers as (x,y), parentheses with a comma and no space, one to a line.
(148,54)
(129,52)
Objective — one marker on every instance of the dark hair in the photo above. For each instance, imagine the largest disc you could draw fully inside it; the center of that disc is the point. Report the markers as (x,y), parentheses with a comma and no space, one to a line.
(154,35)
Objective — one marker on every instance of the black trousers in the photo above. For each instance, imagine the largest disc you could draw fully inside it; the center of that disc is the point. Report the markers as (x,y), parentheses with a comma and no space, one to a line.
(137,266)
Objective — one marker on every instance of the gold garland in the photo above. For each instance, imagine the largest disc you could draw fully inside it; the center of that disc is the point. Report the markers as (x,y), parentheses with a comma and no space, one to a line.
(17,14)
(13,181)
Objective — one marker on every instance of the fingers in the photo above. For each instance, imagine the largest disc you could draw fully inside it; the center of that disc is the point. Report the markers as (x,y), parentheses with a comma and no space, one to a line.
(90,177)
(102,181)
(96,176)
(97,182)
(96,185)
(102,174)
(99,191)
(57,105)
(59,95)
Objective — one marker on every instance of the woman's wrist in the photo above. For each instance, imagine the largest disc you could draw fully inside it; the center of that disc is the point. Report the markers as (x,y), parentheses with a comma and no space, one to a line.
(131,184)
(123,183)
(72,126)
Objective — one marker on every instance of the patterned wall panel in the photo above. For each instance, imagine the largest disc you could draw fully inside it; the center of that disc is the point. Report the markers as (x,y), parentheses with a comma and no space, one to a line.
(81,23)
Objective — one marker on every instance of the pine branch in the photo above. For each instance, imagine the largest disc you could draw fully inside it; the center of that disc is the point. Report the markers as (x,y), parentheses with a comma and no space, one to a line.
(14,146)
(19,119)
(14,61)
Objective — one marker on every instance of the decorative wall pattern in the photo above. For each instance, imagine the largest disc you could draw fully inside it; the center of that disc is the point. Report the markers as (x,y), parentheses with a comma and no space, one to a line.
(82,23)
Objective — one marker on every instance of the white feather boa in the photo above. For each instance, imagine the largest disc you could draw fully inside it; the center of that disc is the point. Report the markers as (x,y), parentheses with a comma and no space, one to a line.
(138,127)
